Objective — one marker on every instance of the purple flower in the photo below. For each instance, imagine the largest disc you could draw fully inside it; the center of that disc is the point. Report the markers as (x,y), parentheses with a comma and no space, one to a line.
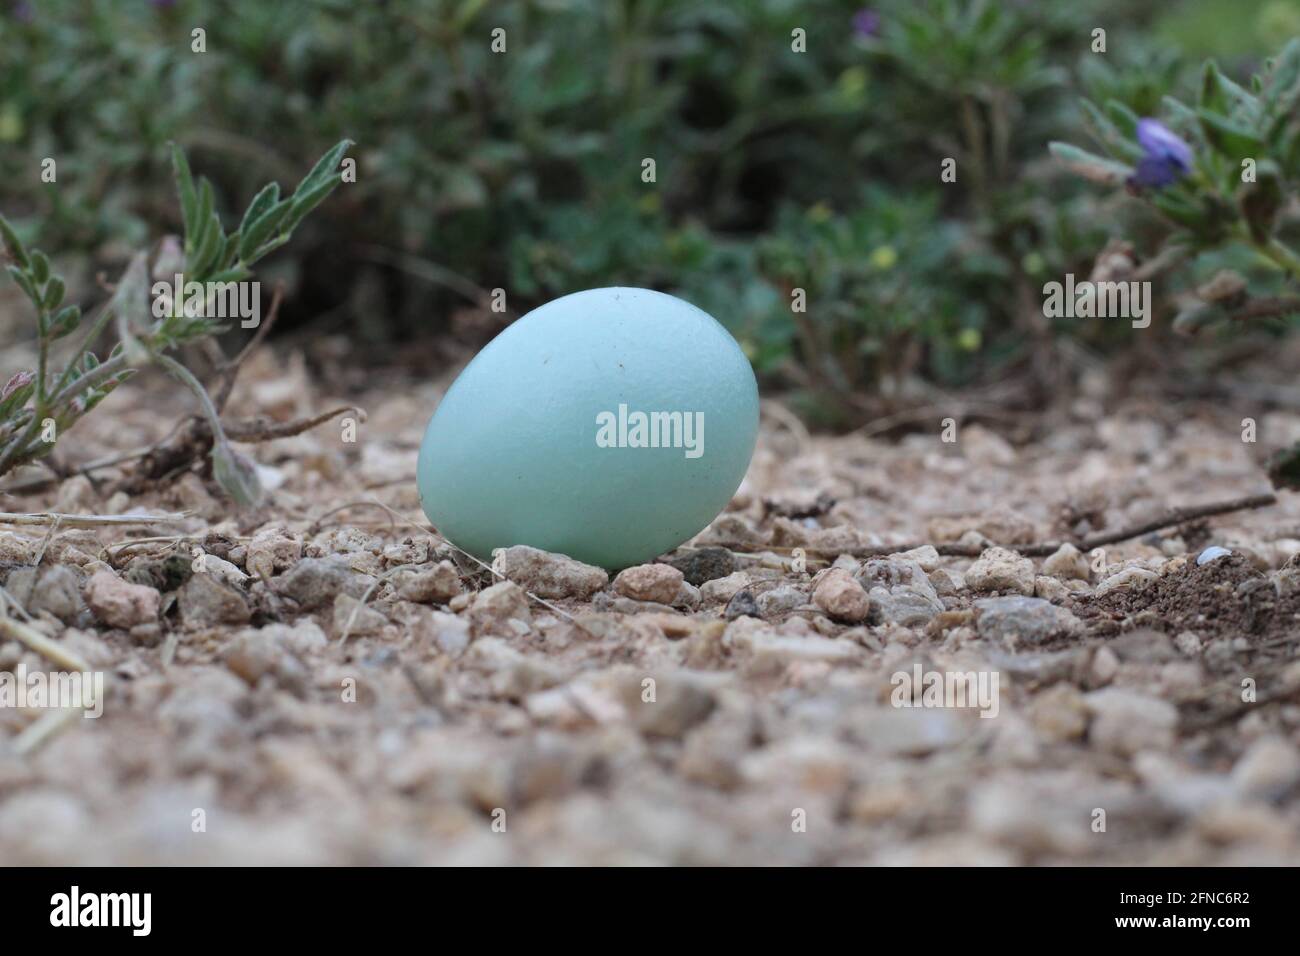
(866,23)
(22,12)
(1165,158)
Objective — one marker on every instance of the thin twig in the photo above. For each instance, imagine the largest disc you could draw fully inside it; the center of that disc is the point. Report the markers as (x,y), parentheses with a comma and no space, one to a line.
(89,521)
(259,429)
(1174,516)
(38,642)
(318,522)
(43,728)
(45,542)
(1177,516)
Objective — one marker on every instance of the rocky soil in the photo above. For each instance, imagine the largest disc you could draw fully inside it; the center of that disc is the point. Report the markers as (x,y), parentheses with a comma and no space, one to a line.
(324,680)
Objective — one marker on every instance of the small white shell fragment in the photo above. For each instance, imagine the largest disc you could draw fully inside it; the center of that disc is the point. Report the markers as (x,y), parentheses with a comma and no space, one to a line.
(1210,553)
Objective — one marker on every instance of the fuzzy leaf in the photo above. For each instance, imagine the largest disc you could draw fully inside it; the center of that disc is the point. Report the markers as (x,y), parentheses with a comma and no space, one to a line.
(1108,135)
(209,248)
(1125,119)
(1230,137)
(258,232)
(53,294)
(13,245)
(264,200)
(1184,118)
(1284,77)
(1089,165)
(185,187)
(40,267)
(327,167)
(236,474)
(65,322)
(202,217)
(308,201)
(24,283)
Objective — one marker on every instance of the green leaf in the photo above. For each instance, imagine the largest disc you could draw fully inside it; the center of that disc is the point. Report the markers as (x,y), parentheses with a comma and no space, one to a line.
(1089,165)
(1212,93)
(1229,137)
(24,283)
(1180,210)
(1125,119)
(40,267)
(264,200)
(327,167)
(66,322)
(1233,97)
(53,294)
(258,232)
(1184,117)
(229,251)
(237,274)
(185,187)
(1284,75)
(202,221)
(209,248)
(13,245)
(1108,135)
(307,202)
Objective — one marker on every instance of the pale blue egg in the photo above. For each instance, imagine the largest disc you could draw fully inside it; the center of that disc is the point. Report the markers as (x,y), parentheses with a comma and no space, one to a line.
(609,425)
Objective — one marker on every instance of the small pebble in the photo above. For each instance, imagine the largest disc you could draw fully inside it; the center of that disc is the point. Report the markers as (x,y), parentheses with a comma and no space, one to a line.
(742,604)
(1211,553)
(649,582)
(704,564)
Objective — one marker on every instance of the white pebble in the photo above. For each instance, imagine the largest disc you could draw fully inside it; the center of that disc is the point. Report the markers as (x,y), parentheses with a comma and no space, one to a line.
(1209,554)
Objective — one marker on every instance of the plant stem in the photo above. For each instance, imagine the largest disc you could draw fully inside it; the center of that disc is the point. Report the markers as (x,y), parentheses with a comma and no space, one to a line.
(40,372)
(105,314)
(92,378)
(10,456)
(186,378)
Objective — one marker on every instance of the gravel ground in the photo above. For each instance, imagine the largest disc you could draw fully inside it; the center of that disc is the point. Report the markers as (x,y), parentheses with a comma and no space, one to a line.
(334,684)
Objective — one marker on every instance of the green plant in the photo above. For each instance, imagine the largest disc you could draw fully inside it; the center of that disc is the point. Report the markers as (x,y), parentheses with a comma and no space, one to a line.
(1223,174)
(36,408)
(522,170)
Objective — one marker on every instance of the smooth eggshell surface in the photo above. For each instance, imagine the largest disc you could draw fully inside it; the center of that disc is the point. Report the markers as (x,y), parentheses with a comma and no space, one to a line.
(528,446)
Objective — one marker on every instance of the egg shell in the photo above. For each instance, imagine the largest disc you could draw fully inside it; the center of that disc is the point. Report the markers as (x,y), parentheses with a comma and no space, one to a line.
(511,456)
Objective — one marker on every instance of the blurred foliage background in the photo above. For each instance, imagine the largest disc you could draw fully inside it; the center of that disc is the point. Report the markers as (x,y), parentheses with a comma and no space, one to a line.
(776,169)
